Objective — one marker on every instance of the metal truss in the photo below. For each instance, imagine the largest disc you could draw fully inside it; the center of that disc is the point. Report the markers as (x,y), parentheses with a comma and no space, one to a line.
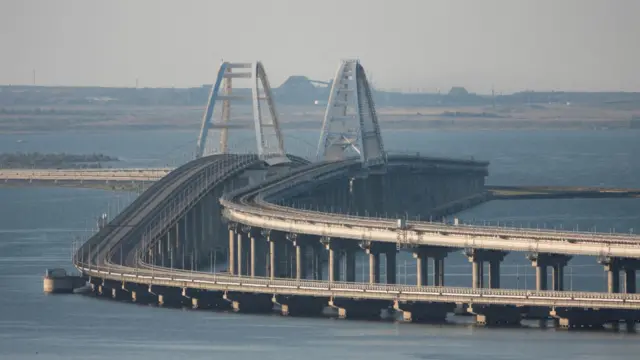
(350,123)
(270,144)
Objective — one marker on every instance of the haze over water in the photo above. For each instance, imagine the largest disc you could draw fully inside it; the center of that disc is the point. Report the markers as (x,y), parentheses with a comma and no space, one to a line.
(37,226)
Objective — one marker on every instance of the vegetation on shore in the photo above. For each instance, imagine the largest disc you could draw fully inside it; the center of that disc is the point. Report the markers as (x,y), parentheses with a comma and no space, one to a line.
(53,161)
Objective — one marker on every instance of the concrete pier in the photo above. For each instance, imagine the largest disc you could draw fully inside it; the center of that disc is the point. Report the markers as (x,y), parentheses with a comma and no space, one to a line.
(478,257)
(358,309)
(142,296)
(233,228)
(557,262)
(58,281)
(422,254)
(249,303)
(300,305)
(581,318)
(168,296)
(390,257)
(423,312)
(335,255)
(492,315)
(138,294)
(202,299)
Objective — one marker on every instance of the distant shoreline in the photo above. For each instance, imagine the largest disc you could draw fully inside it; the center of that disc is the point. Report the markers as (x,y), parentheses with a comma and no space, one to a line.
(19,160)
(188,118)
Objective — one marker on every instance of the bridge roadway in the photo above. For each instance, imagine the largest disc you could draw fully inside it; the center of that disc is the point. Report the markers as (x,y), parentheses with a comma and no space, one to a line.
(83,175)
(124,230)
(127,235)
(255,206)
(148,275)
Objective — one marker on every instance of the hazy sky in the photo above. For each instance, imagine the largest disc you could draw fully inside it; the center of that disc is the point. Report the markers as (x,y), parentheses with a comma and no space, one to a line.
(404,44)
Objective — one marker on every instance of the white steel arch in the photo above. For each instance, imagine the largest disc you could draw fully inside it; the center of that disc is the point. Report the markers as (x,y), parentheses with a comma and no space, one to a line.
(350,124)
(270,144)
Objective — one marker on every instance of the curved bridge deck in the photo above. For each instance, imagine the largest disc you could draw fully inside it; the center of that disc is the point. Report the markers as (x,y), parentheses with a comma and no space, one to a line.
(177,217)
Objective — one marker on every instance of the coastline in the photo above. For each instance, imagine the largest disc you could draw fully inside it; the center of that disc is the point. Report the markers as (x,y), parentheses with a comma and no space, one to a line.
(188,118)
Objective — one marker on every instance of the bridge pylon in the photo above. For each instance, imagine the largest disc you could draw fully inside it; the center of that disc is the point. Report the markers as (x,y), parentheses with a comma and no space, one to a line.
(269,140)
(350,123)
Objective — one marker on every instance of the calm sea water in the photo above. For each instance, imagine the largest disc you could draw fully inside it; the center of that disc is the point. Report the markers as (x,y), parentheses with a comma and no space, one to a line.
(37,226)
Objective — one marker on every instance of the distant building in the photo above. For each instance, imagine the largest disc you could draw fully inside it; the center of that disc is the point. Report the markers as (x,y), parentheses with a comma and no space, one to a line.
(458,91)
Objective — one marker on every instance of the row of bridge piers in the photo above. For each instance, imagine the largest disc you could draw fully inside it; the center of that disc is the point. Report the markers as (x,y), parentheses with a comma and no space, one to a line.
(200,241)
(353,308)
(265,253)
(273,254)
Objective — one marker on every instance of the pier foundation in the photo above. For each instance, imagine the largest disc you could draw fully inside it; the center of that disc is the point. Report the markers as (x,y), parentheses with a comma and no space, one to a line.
(249,303)
(423,312)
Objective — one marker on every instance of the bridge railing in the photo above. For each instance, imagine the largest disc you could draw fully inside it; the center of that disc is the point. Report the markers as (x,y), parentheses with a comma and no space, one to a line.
(417,155)
(182,278)
(431,225)
(171,209)
(310,214)
(192,191)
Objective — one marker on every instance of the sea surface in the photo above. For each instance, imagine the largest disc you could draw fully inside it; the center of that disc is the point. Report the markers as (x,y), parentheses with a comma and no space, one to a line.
(39,225)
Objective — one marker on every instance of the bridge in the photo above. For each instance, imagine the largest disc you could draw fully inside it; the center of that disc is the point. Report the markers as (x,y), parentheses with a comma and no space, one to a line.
(290,232)
(81,177)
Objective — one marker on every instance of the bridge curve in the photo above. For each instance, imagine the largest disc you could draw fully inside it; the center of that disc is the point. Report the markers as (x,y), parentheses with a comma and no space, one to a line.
(278,221)
(120,257)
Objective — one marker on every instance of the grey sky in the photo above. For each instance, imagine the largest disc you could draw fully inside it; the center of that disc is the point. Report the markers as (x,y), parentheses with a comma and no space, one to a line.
(404,44)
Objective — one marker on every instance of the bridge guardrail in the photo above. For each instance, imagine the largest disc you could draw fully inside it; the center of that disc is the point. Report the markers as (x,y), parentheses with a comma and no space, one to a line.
(437,227)
(122,272)
(185,278)
(461,229)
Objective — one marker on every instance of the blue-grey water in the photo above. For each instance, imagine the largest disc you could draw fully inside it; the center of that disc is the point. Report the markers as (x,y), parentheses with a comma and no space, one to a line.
(38,226)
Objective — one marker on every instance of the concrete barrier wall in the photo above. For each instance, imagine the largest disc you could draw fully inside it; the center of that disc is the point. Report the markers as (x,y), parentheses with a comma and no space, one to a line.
(400,191)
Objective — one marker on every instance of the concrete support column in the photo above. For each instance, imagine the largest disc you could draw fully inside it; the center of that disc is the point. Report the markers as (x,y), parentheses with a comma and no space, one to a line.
(334,264)
(206,243)
(252,261)
(557,277)
(422,269)
(541,277)
(174,249)
(478,257)
(476,274)
(166,258)
(374,267)
(186,241)
(613,279)
(232,251)
(351,266)
(630,281)
(612,267)
(290,259)
(272,259)
(317,262)
(391,266)
(556,262)
(438,271)
(240,254)
(494,274)
(300,265)
(177,237)
(195,234)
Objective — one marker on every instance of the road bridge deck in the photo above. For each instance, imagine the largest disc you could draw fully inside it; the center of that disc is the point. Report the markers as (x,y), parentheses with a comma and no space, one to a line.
(181,216)
(216,282)
(61,175)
